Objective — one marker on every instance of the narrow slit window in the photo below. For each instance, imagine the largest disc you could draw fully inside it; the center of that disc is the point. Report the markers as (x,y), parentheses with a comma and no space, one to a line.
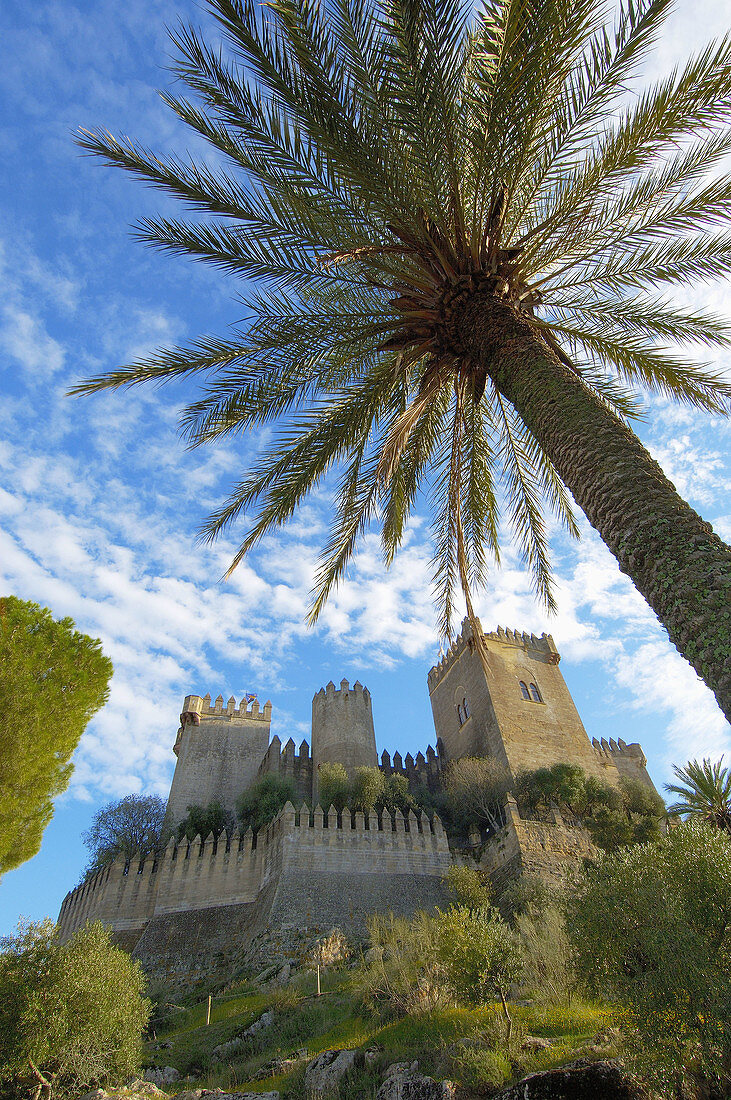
(524,691)
(459,715)
(465,709)
(535,694)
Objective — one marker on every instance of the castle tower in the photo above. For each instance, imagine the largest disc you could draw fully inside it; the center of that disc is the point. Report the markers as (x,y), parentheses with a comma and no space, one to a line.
(520,713)
(219,750)
(342,728)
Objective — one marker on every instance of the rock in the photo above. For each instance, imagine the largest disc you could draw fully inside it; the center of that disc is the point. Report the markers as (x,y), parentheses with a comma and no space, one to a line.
(324,1072)
(371,1054)
(166,1075)
(535,1042)
(139,1088)
(575,1081)
(216,1094)
(95,1094)
(265,1020)
(400,1067)
(284,973)
(414,1086)
(232,1046)
(373,955)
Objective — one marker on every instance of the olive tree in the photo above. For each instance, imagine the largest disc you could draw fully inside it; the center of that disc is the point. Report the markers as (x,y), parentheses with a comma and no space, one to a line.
(651,926)
(71,1015)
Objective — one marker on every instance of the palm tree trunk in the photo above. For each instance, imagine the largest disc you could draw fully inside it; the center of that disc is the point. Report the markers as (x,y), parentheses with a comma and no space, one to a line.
(672,555)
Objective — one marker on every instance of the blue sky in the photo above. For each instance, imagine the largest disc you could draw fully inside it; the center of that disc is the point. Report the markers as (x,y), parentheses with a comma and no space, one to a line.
(99,501)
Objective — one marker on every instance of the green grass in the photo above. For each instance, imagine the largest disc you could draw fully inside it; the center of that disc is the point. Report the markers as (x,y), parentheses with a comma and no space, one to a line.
(338,1019)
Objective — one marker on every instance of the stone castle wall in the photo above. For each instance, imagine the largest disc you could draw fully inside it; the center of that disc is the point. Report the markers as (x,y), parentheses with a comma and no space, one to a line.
(301,853)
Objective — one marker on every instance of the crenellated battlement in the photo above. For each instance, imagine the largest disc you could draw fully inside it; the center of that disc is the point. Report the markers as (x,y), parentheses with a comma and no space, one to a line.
(207,872)
(344,692)
(248,708)
(288,763)
(420,770)
(543,645)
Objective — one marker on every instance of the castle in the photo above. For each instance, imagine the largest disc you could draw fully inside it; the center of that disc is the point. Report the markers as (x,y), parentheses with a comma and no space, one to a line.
(310,870)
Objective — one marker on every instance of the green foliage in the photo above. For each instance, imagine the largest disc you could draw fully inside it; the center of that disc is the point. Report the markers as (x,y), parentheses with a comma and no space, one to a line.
(549,971)
(333,786)
(480,954)
(367,789)
(263,801)
(54,679)
(704,791)
(401,973)
(652,930)
(527,895)
(476,789)
(467,887)
(631,814)
(129,826)
(388,164)
(203,820)
(76,1012)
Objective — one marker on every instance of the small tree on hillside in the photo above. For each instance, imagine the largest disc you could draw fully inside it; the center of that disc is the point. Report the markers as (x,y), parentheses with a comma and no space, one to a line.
(261,803)
(651,926)
(480,954)
(72,1015)
(126,827)
(54,679)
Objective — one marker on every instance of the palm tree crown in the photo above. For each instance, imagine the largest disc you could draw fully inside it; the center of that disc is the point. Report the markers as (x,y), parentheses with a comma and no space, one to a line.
(457,223)
(704,791)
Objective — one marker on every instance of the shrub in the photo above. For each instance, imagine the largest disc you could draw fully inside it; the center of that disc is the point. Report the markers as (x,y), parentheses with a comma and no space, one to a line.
(261,803)
(527,895)
(71,1015)
(333,786)
(615,817)
(477,787)
(652,930)
(479,952)
(549,969)
(401,972)
(367,789)
(204,820)
(126,827)
(467,887)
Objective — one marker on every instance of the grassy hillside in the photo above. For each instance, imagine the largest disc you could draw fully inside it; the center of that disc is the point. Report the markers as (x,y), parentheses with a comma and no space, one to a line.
(465,1045)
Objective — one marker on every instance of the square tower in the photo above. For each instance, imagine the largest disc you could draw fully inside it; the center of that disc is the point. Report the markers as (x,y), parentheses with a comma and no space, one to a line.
(219,750)
(519,711)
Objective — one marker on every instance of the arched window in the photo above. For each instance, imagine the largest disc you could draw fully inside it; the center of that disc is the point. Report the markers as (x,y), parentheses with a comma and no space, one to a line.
(535,694)
(524,691)
(465,709)
(459,714)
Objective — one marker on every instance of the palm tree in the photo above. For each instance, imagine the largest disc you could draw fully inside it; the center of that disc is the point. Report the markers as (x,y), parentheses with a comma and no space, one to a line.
(705,792)
(457,222)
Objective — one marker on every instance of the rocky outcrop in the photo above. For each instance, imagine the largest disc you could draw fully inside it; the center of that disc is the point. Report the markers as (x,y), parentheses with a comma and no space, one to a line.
(233,1046)
(323,1074)
(162,1075)
(403,1082)
(145,1090)
(575,1081)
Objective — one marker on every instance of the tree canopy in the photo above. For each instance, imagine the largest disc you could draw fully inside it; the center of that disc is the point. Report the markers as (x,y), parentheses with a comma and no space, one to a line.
(652,930)
(461,232)
(71,1015)
(130,826)
(53,680)
(704,791)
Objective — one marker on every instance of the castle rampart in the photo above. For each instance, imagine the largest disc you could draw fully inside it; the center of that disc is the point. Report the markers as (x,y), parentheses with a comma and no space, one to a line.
(205,873)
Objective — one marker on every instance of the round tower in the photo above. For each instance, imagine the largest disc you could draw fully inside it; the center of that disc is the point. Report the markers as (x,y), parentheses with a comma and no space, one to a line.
(342,728)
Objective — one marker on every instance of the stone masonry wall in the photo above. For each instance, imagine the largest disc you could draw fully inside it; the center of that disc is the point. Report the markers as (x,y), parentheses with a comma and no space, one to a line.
(296,848)
(520,733)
